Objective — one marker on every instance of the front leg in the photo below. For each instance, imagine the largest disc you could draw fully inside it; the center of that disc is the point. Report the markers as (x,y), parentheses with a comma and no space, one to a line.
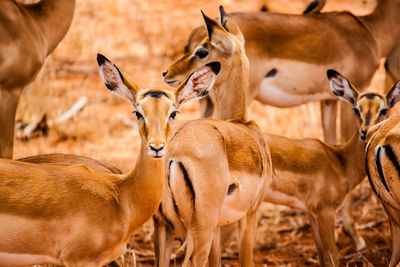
(323,225)
(8,108)
(247,228)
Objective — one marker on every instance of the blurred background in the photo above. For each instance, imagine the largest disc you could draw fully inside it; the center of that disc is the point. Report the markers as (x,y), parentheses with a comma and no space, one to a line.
(143,38)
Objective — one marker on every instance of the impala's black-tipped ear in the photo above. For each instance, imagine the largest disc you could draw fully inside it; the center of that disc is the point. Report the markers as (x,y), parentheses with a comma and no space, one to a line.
(393,96)
(223,16)
(229,24)
(116,81)
(341,87)
(210,24)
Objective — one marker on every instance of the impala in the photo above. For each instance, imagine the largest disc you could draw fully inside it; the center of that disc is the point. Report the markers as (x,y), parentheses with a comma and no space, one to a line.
(76,216)
(383,169)
(29,33)
(314,176)
(217,169)
(282,47)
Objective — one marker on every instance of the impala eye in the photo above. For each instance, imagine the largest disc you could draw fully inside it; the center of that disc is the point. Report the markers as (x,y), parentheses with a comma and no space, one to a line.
(138,115)
(201,53)
(357,112)
(173,114)
(383,112)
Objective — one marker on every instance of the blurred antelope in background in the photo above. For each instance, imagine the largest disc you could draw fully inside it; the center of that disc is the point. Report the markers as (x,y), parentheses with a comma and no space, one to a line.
(76,216)
(282,47)
(28,34)
(217,169)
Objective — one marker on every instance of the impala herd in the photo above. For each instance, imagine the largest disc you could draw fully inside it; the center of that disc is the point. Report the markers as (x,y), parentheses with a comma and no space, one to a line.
(196,177)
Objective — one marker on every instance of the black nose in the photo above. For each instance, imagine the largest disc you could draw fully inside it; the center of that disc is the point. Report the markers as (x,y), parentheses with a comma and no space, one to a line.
(164,73)
(156,149)
(363,135)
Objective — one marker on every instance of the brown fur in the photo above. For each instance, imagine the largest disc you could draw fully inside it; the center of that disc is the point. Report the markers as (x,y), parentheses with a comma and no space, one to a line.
(215,154)
(29,33)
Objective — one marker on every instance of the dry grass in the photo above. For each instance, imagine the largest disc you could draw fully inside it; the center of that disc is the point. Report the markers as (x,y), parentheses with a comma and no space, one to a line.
(143,38)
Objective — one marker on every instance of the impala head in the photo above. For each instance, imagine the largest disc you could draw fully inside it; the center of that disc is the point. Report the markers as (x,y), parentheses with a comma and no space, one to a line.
(223,40)
(370,108)
(155,109)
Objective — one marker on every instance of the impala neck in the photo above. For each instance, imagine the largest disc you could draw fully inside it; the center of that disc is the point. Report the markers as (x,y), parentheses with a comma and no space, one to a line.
(231,92)
(383,23)
(353,155)
(142,188)
(54,18)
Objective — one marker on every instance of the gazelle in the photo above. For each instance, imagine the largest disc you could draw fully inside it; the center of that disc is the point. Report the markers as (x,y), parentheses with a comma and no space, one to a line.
(314,176)
(217,169)
(29,33)
(282,47)
(75,216)
(382,164)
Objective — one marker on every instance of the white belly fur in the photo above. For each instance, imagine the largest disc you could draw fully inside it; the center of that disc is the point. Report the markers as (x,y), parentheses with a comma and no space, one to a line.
(294,84)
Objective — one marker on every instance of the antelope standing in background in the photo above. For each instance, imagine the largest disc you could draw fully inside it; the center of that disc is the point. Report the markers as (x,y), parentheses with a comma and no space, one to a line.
(315,177)
(41,221)
(28,34)
(217,169)
(383,169)
(282,47)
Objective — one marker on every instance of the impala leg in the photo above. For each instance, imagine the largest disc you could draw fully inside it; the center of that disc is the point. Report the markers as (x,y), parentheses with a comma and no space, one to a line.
(328,117)
(8,108)
(214,259)
(347,130)
(163,242)
(247,228)
(323,225)
(395,232)
(198,246)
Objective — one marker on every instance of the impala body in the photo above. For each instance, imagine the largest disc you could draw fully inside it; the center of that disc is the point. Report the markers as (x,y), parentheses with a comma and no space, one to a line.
(28,34)
(73,215)
(382,166)
(217,169)
(314,176)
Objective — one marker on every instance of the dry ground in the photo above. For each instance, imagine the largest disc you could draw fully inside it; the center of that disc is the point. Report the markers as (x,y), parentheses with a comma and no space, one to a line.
(143,38)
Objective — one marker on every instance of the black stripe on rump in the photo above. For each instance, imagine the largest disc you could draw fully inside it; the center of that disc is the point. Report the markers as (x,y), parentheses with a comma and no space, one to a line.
(188,182)
(379,167)
(393,158)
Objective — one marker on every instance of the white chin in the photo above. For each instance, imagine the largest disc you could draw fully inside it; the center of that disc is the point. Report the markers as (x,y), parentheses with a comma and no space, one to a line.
(157,154)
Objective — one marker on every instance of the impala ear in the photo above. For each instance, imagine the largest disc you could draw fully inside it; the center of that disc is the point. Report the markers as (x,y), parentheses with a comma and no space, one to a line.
(116,81)
(229,24)
(218,36)
(198,84)
(393,96)
(341,87)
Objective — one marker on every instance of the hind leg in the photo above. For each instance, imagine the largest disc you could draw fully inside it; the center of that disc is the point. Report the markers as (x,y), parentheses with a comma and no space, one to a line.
(247,228)
(163,242)
(215,253)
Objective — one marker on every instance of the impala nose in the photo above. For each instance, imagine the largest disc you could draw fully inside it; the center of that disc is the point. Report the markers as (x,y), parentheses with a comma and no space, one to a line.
(164,73)
(157,149)
(363,134)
